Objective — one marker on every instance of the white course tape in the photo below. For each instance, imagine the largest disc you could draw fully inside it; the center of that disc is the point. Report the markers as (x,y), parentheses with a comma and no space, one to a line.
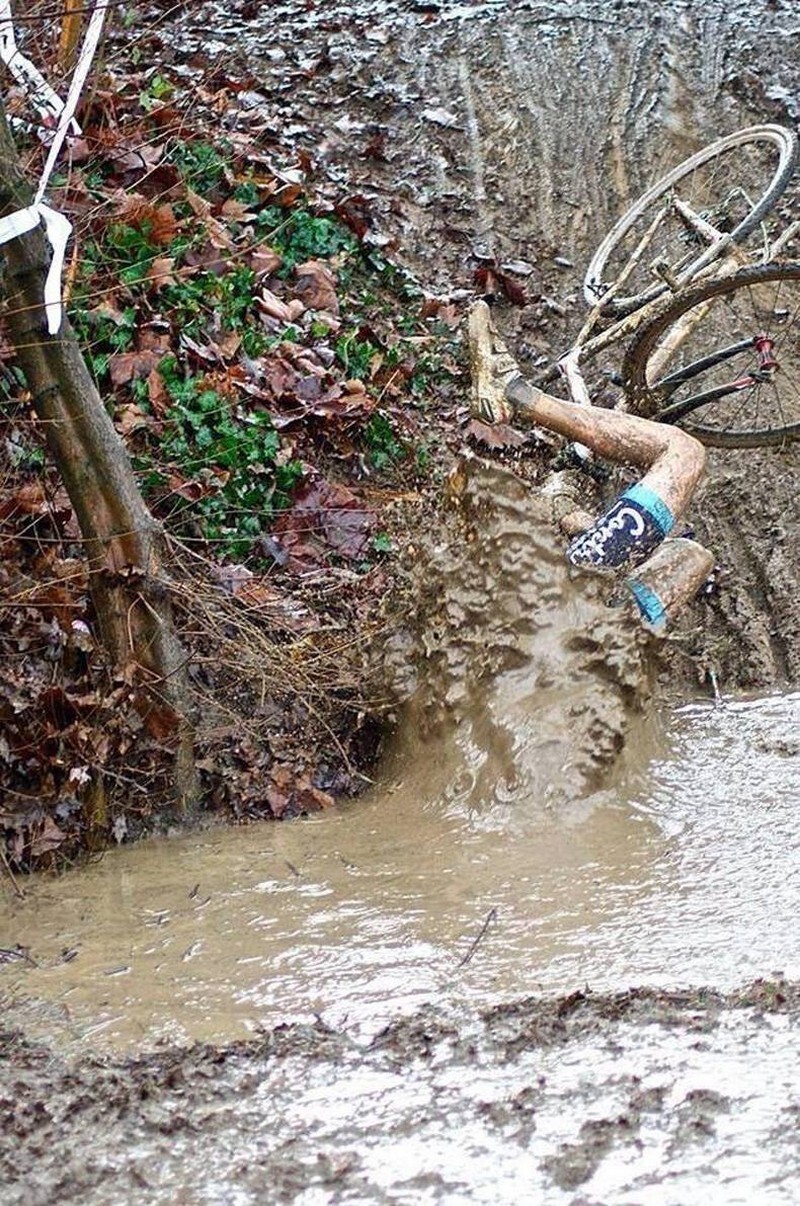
(90,43)
(57,227)
(48,102)
(19,223)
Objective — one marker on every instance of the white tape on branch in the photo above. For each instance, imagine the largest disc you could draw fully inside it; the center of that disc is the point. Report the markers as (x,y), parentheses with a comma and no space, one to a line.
(42,95)
(57,227)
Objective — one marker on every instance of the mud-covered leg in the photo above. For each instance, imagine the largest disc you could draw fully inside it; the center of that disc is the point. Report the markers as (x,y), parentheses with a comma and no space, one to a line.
(668,579)
(631,532)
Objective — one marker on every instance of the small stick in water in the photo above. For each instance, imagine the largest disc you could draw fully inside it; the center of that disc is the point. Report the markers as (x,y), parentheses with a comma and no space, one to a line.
(490,917)
(11,876)
(711,674)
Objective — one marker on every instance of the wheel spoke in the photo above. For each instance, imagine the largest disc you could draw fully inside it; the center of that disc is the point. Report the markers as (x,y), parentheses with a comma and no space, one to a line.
(718,349)
(730,184)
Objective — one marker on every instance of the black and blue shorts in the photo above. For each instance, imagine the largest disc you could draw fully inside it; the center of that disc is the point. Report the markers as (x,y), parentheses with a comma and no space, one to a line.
(627,533)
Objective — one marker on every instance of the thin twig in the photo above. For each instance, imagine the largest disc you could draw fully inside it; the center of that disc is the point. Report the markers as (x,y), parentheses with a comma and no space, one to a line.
(490,917)
(14,883)
(712,678)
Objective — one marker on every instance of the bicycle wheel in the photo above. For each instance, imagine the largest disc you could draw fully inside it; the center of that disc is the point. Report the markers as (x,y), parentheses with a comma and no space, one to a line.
(732,184)
(723,359)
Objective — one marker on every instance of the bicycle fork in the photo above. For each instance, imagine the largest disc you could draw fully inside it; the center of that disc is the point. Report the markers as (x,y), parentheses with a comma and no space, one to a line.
(766,368)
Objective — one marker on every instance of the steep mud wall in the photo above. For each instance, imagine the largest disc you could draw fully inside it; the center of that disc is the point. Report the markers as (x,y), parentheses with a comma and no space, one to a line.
(517,133)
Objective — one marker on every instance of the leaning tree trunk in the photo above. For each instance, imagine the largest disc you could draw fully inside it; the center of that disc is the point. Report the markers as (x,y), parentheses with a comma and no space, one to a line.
(123,542)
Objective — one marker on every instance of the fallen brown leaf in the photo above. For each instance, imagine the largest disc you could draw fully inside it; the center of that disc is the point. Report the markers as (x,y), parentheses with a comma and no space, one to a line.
(315,285)
(129,366)
(496,435)
(160,272)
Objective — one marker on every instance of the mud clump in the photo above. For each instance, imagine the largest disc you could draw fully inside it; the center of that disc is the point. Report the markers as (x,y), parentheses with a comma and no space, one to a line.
(510,661)
(577,1162)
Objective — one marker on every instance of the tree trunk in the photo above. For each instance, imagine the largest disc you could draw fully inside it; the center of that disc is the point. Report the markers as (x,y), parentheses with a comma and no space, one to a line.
(124,544)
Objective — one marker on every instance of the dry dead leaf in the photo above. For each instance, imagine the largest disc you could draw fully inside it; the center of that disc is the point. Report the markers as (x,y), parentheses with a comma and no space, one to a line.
(264,260)
(270,304)
(496,435)
(49,837)
(315,285)
(217,233)
(325,515)
(129,366)
(235,210)
(129,418)
(157,394)
(160,272)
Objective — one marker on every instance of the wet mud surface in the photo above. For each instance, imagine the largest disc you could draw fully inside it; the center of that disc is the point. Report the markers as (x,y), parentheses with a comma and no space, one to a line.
(510,134)
(475,134)
(681,1091)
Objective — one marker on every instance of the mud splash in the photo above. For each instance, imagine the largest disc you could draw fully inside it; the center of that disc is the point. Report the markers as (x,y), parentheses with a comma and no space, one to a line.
(516,657)
(534,829)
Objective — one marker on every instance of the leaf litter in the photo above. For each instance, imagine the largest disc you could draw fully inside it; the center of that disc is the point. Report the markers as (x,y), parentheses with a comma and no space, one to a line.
(280,384)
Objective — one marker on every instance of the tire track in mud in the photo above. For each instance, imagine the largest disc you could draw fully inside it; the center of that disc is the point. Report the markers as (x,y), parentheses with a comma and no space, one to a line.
(485,223)
(758,631)
(560,127)
(755,639)
(712,54)
(585,118)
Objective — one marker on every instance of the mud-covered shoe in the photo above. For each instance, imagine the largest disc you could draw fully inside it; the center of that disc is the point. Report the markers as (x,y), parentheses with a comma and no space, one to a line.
(492,366)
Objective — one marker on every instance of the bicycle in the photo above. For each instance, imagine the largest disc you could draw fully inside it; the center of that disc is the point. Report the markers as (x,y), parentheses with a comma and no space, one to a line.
(709,319)
(691,278)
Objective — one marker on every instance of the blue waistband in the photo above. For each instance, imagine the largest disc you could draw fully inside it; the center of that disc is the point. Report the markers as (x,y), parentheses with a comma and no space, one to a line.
(655,506)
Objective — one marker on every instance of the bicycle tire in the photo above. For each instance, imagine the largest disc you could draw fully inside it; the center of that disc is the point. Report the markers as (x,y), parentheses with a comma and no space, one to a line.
(786,143)
(696,374)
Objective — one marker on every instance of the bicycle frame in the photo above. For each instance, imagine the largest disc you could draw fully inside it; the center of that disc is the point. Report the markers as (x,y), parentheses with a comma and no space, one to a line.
(766,366)
(722,258)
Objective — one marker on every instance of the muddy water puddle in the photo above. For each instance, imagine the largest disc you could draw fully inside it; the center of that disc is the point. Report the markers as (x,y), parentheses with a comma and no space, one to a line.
(685,871)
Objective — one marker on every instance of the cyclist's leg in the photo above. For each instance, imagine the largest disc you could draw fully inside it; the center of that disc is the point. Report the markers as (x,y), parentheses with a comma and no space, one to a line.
(632,533)
(672,460)
(646,512)
(669,577)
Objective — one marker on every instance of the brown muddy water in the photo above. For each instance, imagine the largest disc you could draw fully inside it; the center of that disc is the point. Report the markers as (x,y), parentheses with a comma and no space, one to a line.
(433,986)
(683,872)
(424,996)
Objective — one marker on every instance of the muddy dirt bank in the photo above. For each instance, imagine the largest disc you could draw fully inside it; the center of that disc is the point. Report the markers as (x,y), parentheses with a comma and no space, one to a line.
(514,135)
(636,1096)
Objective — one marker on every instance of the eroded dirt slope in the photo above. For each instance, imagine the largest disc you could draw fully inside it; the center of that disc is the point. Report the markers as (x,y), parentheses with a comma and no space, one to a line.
(514,135)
